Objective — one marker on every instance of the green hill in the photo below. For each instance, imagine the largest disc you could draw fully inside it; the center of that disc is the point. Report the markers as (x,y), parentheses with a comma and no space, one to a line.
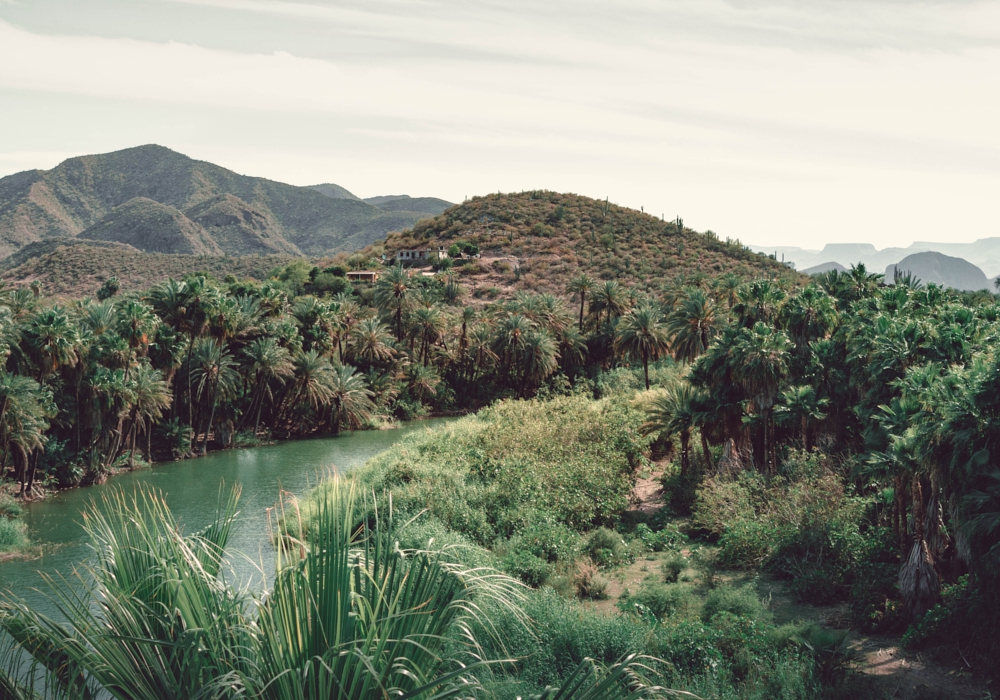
(334,191)
(402,203)
(79,192)
(240,228)
(75,268)
(540,240)
(152,227)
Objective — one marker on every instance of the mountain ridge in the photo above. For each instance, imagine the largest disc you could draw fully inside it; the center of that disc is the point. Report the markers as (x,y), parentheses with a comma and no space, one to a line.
(984,253)
(81,191)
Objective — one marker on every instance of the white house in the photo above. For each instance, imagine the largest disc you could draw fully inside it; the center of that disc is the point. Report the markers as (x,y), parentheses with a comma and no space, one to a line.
(421,255)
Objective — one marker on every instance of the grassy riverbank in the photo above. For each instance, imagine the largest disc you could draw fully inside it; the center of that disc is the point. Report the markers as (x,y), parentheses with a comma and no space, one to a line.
(541,490)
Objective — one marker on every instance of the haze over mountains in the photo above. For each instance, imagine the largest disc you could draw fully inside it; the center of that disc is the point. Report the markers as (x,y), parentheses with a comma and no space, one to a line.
(157,200)
(983,253)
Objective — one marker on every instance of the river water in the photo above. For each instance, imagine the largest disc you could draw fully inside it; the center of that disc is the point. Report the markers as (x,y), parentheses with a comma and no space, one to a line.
(192,489)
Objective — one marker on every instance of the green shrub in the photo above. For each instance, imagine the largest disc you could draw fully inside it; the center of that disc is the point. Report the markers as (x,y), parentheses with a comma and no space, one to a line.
(9,508)
(720,502)
(12,535)
(527,567)
(607,548)
(548,540)
(668,538)
(747,544)
(672,566)
(742,602)
(662,600)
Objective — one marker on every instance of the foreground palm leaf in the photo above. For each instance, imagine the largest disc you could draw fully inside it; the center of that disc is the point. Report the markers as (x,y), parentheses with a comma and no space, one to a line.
(350,616)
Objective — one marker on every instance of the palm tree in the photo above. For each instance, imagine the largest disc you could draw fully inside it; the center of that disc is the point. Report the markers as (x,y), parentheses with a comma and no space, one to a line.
(800,404)
(758,302)
(266,363)
(428,326)
(313,375)
(610,299)
(25,409)
(510,337)
(422,382)
(371,342)
(52,339)
(726,288)
(538,358)
(670,413)
(392,295)
(759,361)
(580,285)
(641,336)
(692,325)
(150,398)
(136,325)
(350,399)
(216,376)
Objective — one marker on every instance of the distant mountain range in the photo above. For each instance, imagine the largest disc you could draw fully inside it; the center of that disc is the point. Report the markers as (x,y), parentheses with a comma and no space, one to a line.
(983,253)
(160,201)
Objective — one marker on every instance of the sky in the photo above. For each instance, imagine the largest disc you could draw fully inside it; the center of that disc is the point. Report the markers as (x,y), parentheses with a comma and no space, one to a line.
(786,123)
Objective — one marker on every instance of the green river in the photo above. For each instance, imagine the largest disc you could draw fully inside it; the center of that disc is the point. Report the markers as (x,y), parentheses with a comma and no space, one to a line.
(191,488)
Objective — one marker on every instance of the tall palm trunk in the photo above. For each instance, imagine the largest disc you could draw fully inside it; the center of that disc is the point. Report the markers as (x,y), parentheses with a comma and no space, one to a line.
(705,450)
(645,367)
(685,442)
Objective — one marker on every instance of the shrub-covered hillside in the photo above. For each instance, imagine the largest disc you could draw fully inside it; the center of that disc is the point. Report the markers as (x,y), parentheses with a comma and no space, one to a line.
(68,267)
(539,240)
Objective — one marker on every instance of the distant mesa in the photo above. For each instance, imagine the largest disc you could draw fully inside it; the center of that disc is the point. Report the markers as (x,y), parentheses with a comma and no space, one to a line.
(824,267)
(944,270)
(984,253)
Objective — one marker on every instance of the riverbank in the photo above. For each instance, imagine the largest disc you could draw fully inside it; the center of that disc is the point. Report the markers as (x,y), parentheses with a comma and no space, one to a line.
(563,495)
(191,488)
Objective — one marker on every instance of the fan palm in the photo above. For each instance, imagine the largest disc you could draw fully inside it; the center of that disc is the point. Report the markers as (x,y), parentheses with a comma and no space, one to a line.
(759,362)
(581,285)
(673,412)
(25,410)
(392,295)
(692,325)
(641,336)
(371,342)
(350,399)
(267,363)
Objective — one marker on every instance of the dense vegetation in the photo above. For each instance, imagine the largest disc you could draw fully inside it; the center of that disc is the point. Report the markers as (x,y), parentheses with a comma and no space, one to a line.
(837,437)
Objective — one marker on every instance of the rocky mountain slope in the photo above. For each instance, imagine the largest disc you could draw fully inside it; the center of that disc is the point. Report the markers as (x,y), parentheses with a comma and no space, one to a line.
(114,195)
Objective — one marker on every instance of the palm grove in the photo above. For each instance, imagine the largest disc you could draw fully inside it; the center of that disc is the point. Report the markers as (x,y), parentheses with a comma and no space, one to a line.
(896,382)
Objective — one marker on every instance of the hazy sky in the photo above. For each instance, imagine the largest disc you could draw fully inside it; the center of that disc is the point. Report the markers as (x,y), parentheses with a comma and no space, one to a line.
(779,123)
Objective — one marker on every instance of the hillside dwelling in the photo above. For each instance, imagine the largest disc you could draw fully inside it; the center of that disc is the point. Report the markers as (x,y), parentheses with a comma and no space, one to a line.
(370,276)
(421,255)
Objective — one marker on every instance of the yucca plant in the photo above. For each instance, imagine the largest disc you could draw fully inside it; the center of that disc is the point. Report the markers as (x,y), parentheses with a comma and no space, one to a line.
(350,616)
